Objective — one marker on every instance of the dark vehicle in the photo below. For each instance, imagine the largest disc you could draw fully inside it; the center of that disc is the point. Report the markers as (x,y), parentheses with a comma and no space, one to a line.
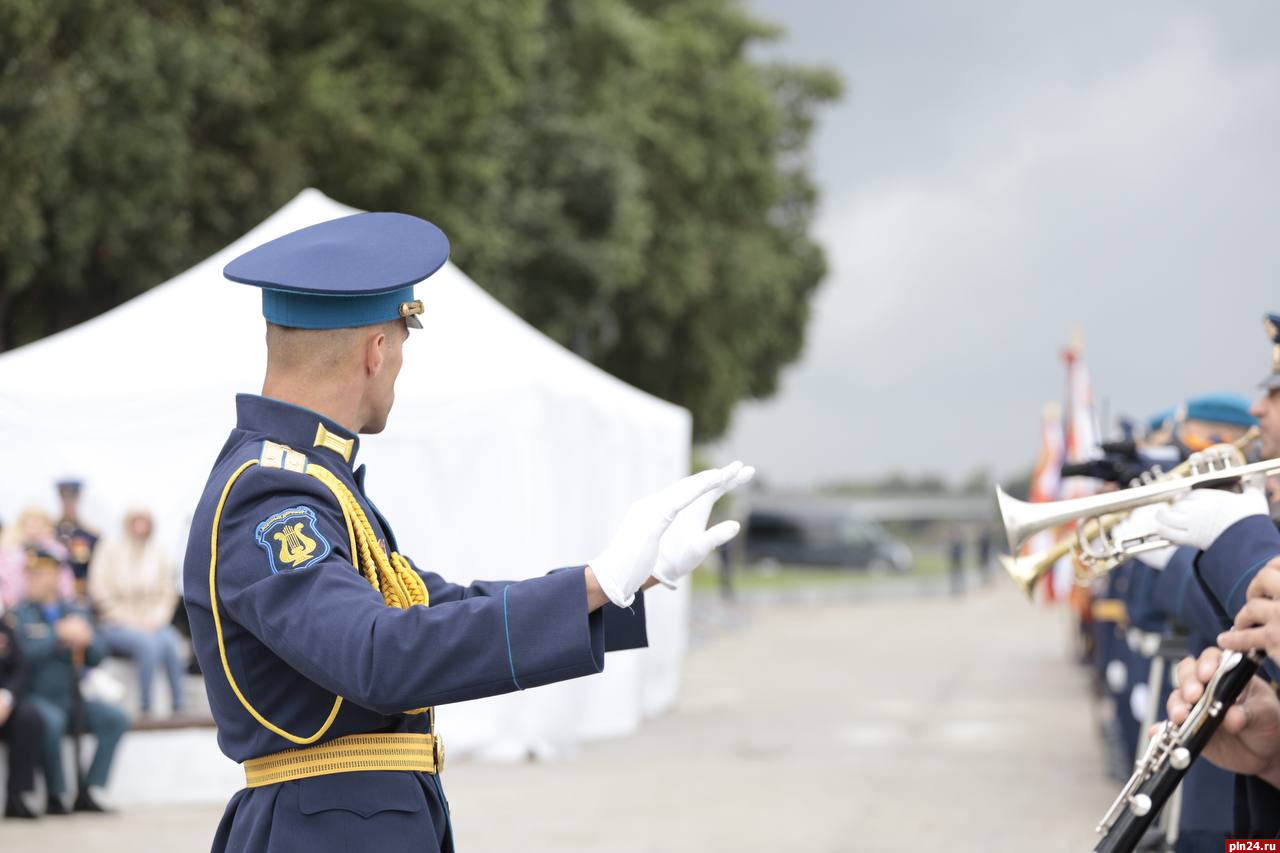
(821,536)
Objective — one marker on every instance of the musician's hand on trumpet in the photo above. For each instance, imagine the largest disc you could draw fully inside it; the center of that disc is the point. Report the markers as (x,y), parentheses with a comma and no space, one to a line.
(1248,742)
(1198,517)
(1141,522)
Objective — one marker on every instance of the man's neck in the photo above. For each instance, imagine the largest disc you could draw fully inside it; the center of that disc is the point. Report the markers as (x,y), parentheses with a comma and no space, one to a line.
(338,404)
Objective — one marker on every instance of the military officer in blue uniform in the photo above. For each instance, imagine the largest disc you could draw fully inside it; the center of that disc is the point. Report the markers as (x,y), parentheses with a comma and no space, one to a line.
(324,649)
(1165,597)
(1233,531)
(1231,539)
(75,536)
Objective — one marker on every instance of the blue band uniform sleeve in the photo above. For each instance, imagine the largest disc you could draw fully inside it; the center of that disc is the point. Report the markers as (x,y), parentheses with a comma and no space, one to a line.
(1178,593)
(624,628)
(329,625)
(1228,565)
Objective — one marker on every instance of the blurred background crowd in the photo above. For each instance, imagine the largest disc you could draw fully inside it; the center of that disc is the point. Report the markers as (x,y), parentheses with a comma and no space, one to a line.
(70,598)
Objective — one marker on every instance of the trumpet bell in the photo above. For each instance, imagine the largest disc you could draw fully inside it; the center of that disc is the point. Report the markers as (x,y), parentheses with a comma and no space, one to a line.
(1028,570)
(1014,516)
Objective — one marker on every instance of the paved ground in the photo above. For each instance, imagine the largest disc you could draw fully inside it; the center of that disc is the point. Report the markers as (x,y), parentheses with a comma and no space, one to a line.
(893,725)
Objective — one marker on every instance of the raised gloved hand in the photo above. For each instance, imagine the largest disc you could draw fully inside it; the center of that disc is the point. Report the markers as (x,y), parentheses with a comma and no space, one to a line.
(1200,516)
(628,560)
(687,541)
(1142,522)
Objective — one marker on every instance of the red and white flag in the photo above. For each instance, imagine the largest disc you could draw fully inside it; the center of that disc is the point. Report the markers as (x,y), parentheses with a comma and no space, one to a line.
(1046,478)
(1082,442)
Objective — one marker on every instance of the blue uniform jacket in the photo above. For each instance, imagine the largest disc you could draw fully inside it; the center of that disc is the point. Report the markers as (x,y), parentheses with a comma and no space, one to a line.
(1177,593)
(1224,570)
(1208,792)
(301,626)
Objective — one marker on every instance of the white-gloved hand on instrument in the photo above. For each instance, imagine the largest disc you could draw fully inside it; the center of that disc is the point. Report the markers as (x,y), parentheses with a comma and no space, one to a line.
(1142,522)
(1200,516)
(628,561)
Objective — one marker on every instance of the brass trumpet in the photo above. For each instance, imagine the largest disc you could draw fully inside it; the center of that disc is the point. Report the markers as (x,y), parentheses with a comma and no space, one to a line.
(1092,542)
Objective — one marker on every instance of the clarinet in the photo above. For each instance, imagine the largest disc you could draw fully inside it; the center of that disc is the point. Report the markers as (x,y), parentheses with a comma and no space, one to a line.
(1171,750)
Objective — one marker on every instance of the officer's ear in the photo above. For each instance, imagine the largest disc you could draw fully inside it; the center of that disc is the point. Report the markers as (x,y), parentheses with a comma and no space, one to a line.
(375,350)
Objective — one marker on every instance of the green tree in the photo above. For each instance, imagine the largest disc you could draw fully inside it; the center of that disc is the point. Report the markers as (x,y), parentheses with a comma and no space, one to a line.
(620,172)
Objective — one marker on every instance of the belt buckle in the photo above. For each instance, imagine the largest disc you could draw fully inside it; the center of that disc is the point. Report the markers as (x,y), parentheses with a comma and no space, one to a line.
(437,752)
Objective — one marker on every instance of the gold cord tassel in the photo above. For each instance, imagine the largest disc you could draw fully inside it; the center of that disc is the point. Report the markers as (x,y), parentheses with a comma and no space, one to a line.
(399,584)
(392,576)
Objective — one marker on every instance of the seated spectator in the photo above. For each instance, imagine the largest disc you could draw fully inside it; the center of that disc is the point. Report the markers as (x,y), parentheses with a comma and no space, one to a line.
(33,529)
(133,585)
(58,642)
(75,536)
(20,725)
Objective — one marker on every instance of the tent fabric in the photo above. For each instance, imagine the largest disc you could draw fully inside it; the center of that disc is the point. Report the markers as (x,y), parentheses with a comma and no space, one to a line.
(506,455)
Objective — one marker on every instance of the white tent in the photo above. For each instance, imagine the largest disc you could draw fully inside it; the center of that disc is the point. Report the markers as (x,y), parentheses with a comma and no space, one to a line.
(506,455)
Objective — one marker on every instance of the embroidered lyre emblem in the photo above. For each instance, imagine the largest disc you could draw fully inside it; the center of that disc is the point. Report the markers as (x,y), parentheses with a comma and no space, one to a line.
(295,546)
(292,539)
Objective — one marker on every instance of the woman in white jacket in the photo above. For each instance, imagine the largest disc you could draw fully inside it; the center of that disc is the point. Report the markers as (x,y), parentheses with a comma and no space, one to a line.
(133,585)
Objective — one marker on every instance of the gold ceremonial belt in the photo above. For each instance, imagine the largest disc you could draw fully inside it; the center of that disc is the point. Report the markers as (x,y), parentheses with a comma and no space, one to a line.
(1110,610)
(350,754)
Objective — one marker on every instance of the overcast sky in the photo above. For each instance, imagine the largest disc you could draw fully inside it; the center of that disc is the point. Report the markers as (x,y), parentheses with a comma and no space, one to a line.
(999,174)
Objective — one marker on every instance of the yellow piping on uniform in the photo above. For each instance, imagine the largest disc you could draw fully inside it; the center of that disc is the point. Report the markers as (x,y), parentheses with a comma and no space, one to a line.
(399,584)
(217,627)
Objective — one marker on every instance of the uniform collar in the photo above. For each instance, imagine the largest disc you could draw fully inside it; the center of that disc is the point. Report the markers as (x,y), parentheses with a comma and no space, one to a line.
(299,428)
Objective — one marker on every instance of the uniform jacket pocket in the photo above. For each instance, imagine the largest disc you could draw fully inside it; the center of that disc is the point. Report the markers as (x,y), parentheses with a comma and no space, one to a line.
(364,794)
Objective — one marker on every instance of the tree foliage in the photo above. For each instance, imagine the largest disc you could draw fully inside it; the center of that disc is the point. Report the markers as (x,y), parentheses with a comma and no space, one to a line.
(621,173)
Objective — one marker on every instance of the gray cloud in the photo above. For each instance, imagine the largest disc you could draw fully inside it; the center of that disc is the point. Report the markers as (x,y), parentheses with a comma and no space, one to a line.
(999,175)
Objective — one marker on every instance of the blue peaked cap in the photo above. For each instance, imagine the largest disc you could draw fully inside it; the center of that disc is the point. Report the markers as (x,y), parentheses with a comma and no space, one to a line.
(354,271)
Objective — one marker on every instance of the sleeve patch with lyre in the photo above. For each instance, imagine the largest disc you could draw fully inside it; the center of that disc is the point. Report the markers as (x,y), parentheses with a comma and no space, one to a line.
(292,539)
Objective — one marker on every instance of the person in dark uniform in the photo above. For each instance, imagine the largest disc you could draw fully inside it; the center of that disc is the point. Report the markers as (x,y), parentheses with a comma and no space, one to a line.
(324,649)
(1233,530)
(1248,741)
(1234,539)
(20,725)
(78,539)
(1166,613)
(955,552)
(58,642)
(1173,597)
(985,543)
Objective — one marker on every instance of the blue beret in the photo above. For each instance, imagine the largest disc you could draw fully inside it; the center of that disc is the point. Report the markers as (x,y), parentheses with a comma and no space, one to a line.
(1220,409)
(1271,322)
(1159,419)
(353,271)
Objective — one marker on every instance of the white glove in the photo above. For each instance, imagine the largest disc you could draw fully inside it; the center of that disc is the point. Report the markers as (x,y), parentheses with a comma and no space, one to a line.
(1142,522)
(629,559)
(687,542)
(1200,516)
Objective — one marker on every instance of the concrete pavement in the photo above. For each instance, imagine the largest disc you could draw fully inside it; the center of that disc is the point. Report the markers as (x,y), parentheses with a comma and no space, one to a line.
(894,725)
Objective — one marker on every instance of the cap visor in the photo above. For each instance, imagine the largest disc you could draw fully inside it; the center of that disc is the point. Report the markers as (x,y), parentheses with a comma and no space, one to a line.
(413,321)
